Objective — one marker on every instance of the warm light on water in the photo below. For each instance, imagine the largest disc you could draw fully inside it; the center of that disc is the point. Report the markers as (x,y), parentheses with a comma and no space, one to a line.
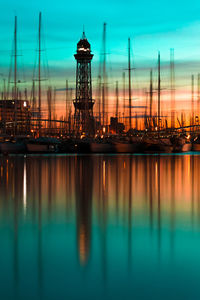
(100,227)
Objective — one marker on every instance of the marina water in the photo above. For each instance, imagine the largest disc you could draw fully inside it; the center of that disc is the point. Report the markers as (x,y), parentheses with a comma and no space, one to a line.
(100,227)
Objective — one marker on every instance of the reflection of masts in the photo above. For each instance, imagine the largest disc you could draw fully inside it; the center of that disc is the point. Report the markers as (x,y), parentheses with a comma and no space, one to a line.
(50,187)
(150,195)
(159,208)
(130,216)
(117,188)
(172,213)
(129,81)
(172,79)
(25,187)
(39,73)
(15,248)
(40,268)
(104,222)
(158,94)
(192,186)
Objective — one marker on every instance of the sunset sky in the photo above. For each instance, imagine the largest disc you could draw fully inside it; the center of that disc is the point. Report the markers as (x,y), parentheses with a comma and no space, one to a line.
(151,25)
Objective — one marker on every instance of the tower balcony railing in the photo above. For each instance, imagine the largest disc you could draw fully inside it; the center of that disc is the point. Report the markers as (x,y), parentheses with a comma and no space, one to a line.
(83,104)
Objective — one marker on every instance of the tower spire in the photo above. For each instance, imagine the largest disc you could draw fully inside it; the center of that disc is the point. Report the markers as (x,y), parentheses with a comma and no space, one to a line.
(84,36)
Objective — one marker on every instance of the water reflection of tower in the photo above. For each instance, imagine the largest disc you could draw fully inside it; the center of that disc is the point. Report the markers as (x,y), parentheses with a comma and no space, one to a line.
(83,102)
(83,179)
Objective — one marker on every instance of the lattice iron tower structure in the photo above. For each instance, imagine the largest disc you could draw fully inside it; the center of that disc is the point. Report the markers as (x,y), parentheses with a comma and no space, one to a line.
(83,103)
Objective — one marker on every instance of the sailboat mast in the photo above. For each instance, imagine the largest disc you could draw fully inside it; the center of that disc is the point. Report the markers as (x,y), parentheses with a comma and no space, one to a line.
(15,76)
(158,93)
(66,100)
(39,73)
(15,55)
(4,89)
(33,106)
(117,99)
(124,95)
(99,96)
(104,73)
(151,96)
(54,107)
(146,106)
(192,100)
(198,99)
(49,96)
(129,80)
(172,77)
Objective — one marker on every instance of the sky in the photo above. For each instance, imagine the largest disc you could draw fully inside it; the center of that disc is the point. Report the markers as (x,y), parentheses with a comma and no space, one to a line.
(152,26)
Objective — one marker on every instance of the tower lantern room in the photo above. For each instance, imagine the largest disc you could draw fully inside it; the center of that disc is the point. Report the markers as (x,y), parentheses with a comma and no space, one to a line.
(83,102)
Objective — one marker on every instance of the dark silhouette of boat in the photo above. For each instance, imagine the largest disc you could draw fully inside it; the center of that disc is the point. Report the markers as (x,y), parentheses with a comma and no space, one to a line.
(43,145)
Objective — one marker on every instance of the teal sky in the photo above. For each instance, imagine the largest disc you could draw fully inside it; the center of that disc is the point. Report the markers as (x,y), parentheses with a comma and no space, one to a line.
(152,26)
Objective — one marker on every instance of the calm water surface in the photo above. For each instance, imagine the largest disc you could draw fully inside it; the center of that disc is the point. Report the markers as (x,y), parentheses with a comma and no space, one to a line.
(100,227)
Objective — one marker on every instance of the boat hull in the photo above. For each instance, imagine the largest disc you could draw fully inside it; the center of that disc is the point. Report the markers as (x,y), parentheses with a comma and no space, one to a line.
(40,148)
(157,147)
(9,147)
(196,147)
(101,148)
(186,147)
(125,148)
